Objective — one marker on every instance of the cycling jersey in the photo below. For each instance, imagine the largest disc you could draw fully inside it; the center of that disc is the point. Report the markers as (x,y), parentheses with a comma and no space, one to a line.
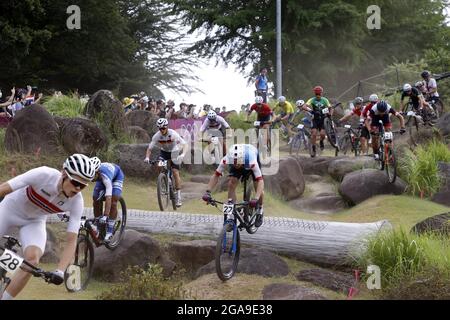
(414,96)
(168,142)
(263,110)
(367,108)
(430,85)
(35,195)
(285,109)
(375,115)
(250,163)
(111,180)
(218,124)
(357,112)
(318,105)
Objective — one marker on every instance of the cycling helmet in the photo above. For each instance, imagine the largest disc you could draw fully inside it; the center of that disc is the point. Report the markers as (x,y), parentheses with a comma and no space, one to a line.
(212,115)
(373,98)
(382,106)
(282,99)
(300,103)
(358,100)
(79,165)
(407,87)
(96,162)
(1,94)
(236,154)
(419,84)
(425,74)
(259,100)
(162,122)
(318,90)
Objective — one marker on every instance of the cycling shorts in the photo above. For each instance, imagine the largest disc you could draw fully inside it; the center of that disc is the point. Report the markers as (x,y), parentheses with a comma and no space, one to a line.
(238,173)
(117,186)
(165,155)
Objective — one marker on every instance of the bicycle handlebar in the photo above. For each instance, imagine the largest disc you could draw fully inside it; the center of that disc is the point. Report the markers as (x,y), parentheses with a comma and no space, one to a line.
(214,202)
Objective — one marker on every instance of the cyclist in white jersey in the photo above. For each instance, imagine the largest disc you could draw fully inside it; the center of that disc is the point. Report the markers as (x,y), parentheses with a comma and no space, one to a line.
(30,198)
(168,141)
(215,126)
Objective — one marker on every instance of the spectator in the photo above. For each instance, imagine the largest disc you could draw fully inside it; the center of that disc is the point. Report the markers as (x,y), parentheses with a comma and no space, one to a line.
(143,101)
(261,84)
(191,111)
(161,108)
(152,106)
(30,98)
(205,110)
(183,113)
(170,113)
(217,110)
(128,105)
(224,109)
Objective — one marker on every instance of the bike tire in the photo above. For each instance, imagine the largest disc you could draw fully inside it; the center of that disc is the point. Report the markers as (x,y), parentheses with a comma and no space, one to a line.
(330,131)
(84,259)
(345,144)
(161,190)
(248,212)
(226,269)
(439,109)
(391,165)
(172,196)
(119,228)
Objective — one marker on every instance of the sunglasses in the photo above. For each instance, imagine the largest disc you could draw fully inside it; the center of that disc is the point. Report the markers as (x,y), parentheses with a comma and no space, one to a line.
(77,184)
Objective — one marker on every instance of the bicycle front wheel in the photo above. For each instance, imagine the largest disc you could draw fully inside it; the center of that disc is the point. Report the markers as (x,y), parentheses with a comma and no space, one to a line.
(391,164)
(227,252)
(330,131)
(119,227)
(78,274)
(345,144)
(162,190)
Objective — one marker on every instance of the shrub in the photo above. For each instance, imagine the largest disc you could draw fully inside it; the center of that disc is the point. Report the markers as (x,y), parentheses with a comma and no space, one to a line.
(149,284)
(65,106)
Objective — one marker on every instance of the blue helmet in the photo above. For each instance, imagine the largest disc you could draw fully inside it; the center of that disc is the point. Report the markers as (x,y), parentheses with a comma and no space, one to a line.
(382,106)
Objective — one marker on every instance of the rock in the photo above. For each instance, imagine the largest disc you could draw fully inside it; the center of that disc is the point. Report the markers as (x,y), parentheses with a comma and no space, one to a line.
(312,178)
(33,130)
(363,184)
(130,158)
(321,204)
(444,124)
(143,119)
(51,254)
(337,169)
(284,291)
(192,254)
(254,261)
(167,265)
(201,179)
(80,135)
(443,196)
(136,249)
(289,182)
(437,224)
(139,134)
(192,190)
(316,166)
(333,280)
(106,108)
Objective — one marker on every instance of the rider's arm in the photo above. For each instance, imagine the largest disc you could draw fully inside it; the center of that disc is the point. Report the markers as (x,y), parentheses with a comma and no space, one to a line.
(259,188)
(402,120)
(151,146)
(108,193)
(69,250)
(259,180)
(5,189)
(215,178)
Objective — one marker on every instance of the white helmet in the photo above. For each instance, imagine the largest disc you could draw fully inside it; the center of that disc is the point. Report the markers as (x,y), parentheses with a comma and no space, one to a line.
(300,103)
(373,98)
(359,100)
(1,94)
(419,84)
(96,162)
(407,87)
(236,154)
(259,99)
(212,115)
(282,99)
(162,122)
(79,165)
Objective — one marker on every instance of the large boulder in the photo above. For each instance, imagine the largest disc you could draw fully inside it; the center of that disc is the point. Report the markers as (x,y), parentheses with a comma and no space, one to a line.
(284,291)
(136,249)
(321,204)
(316,166)
(192,254)
(254,261)
(333,280)
(444,124)
(289,182)
(364,184)
(139,134)
(130,158)
(78,135)
(443,196)
(338,168)
(33,130)
(104,107)
(143,119)
(437,224)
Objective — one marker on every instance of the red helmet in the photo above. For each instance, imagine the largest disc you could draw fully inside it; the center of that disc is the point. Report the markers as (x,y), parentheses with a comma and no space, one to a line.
(318,90)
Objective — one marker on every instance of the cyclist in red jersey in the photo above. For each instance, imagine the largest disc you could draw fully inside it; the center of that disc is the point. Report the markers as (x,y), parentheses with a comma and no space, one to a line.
(264,114)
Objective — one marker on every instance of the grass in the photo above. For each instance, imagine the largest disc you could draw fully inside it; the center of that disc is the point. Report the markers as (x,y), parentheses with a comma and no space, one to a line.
(65,106)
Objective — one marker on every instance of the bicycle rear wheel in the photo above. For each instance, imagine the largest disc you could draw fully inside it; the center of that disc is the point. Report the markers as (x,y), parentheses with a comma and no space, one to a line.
(391,164)
(345,144)
(330,131)
(119,227)
(162,191)
(171,192)
(227,252)
(78,274)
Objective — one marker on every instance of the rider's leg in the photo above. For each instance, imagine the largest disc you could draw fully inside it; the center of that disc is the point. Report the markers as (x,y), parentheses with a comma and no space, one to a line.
(322,137)
(232,185)
(267,133)
(176,175)
(364,146)
(113,212)
(98,205)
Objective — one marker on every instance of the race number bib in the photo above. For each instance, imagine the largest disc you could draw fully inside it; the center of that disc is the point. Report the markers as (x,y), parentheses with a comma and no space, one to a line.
(326,111)
(347,126)
(388,136)
(228,210)
(257,123)
(411,114)
(162,163)
(300,126)
(10,261)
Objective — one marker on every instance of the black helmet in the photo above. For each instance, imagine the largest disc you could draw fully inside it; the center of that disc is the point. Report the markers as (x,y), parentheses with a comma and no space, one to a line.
(382,106)
(425,74)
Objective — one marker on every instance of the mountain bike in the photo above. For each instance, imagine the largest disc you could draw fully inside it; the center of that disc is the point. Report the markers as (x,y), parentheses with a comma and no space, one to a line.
(330,126)
(10,262)
(437,106)
(164,187)
(387,160)
(350,140)
(301,137)
(258,124)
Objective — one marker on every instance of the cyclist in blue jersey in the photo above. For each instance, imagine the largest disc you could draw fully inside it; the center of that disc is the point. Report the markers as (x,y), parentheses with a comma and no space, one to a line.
(109,179)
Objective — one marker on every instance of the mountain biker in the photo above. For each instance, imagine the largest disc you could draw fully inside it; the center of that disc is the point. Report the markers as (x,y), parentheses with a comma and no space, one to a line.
(214,123)
(430,86)
(315,106)
(261,84)
(264,115)
(381,111)
(242,159)
(168,141)
(30,197)
(414,95)
(284,111)
(109,179)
